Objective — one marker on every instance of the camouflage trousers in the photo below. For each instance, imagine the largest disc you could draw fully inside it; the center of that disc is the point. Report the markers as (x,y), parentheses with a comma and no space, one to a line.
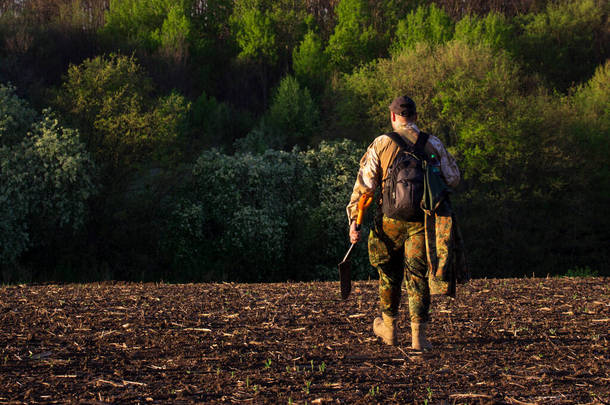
(398,250)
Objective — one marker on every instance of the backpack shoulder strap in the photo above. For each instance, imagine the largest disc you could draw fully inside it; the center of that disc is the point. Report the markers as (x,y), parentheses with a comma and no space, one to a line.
(422,138)
(417,148)
(399,140)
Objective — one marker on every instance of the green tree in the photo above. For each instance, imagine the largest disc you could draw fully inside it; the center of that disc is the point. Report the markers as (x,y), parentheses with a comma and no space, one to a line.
(428,24)
(310,63)
(211,46)
(216,124)
(591,100)
(354,40)
(292,119)
(387,14)
(154,25)
(293,116)
(493,30)
(253,29)
(291,21)
(255,34)
(174,33)
(267,31)
(110,99)
(589,109)
(136,138)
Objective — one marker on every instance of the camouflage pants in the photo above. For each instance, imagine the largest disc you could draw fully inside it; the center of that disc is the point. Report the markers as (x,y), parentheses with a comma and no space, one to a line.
(397,249)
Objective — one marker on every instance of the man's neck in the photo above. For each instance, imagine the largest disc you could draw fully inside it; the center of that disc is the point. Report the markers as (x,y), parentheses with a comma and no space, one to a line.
(408,130)
(409,126)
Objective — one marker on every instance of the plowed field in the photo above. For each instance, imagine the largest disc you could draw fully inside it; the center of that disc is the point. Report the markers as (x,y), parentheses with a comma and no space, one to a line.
(512,341)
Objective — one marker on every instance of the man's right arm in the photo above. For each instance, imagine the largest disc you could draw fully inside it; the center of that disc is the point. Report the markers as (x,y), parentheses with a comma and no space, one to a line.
(367,180)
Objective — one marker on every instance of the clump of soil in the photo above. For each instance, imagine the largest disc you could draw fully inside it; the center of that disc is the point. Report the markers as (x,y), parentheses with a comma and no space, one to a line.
(500,341)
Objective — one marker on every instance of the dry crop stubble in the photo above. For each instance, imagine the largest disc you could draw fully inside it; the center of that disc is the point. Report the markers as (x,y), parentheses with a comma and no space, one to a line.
(504,341)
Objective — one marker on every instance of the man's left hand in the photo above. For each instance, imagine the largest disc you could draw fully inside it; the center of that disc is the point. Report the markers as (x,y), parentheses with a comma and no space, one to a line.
(354,235)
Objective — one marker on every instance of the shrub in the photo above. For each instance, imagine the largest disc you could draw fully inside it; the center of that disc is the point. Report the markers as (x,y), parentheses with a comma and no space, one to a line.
(354,41)
(581,272)
(322,241)
(45,181)
(267,217)
(452,84)
(565,42)
(236,208)
(16,117)
(63,173)
(513,144)
(14,235)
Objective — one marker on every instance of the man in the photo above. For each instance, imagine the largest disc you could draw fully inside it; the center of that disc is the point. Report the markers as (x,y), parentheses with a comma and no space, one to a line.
(397,246)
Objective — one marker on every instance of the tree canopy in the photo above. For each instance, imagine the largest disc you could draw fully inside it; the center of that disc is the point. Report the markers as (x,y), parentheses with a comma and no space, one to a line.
(139,139)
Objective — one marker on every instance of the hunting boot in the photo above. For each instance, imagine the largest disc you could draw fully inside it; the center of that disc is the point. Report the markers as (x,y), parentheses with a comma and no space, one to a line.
(418,337)
(386,329)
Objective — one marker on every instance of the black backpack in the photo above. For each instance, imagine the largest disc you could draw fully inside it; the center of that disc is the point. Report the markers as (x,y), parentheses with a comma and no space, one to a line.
(403,188)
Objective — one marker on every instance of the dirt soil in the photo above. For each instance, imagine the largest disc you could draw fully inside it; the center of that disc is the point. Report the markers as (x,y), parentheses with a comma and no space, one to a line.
(512,341)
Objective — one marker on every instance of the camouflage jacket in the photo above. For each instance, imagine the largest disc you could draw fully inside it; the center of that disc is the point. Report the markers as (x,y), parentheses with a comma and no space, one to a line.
(379,156)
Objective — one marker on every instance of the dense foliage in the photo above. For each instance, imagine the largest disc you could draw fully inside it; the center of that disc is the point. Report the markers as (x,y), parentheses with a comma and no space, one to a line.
(263,217)
(111,100)
(219,139)
(46,178)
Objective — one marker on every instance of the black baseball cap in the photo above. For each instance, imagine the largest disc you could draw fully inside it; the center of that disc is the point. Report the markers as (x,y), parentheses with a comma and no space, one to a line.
(403,106)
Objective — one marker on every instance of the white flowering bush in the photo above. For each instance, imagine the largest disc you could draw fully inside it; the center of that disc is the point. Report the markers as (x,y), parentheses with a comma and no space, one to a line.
(266,217)
(46,177)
